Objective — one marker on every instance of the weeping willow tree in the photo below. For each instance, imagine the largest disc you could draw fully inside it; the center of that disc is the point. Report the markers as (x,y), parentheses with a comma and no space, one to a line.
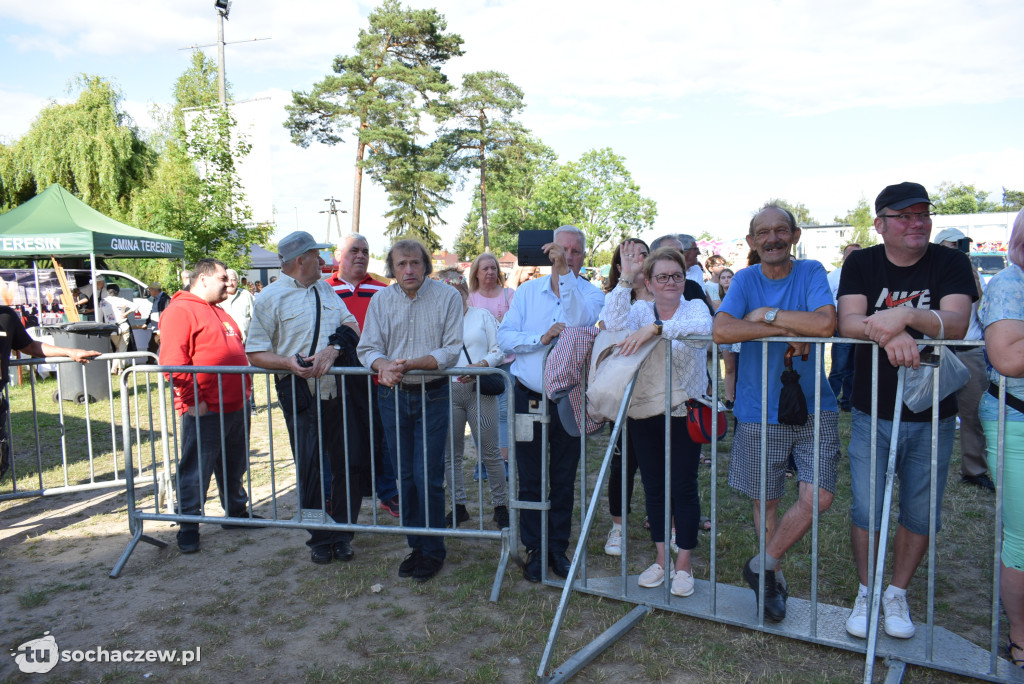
(90,146)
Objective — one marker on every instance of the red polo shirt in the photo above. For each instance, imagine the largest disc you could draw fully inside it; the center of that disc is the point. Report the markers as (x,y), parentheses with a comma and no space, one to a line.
(357,298)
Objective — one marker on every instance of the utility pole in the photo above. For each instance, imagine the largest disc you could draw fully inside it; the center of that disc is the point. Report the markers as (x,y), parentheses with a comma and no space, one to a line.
(223,7)
(332,211)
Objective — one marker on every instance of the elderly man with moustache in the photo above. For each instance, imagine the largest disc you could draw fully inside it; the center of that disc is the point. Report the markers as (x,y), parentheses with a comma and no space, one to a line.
(415,324)
(541,309)
(284,336)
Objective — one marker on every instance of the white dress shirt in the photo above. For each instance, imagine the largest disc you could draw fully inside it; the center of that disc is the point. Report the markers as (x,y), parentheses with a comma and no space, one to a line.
(535,308)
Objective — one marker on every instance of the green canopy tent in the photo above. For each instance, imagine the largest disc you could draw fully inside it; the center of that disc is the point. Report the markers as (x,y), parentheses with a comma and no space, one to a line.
(56,223)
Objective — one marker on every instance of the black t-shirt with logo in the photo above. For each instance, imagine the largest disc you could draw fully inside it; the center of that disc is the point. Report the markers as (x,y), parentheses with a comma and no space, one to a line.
(940,272)
(12,336)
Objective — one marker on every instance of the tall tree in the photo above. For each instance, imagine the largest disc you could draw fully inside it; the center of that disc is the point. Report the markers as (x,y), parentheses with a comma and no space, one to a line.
(597,194)
(480,119)
(194,193)
(960,198)
(90,146)
(514,173)
(1013,200)
(396,66)
(863,225)
(417,187)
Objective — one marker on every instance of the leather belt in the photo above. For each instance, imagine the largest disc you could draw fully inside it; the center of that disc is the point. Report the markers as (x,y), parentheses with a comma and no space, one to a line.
(415,386)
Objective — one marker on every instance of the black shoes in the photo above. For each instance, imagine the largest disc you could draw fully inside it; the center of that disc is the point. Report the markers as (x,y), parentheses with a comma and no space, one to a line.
(188,539)
(426,568)
(407,567)
(343,550)
(461,516)
(774,596)
(559,564)
(501,517)
(321,555)
(531,571)
(421,568)
(982,480)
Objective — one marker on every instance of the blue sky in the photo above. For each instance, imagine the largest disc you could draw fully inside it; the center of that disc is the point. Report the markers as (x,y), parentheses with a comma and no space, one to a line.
(716,106)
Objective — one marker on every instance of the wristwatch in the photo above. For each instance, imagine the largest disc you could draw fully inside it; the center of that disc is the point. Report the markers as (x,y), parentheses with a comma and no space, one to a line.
(658,325)
(337,347)
(770,314)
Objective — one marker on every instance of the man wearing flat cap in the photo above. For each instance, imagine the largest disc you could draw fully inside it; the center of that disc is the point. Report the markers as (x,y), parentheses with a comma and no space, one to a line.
(894,294)
(292,322)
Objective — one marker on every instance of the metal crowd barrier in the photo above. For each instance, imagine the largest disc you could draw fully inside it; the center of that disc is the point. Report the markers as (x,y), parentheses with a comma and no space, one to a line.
(283,492)
(810,620)
(77,443)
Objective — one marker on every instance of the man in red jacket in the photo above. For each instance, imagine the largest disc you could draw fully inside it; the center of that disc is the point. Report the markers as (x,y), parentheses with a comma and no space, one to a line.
(194,331)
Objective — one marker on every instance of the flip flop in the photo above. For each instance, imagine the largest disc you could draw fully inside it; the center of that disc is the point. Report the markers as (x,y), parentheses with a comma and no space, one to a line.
(705,523)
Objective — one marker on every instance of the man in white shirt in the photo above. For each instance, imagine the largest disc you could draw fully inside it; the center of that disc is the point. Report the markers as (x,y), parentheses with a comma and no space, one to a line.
(239,303)
(541,309)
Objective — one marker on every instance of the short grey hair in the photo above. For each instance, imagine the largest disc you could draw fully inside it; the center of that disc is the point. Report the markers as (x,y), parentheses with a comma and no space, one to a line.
(573,230)
(685,241)
(354,236)
(232,272)
(407,246)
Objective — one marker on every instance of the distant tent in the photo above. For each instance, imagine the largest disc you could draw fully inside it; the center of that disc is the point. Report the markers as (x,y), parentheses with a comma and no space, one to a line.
(56,223)
(263,258)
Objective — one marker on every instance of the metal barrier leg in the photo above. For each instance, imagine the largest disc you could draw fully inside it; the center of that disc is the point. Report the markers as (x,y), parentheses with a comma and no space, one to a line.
(503,558)
(583,657)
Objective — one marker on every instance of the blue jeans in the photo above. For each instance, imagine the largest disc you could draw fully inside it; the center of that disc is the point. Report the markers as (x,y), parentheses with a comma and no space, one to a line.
(419,446)
(913,468)
(840,377)
(201,450)
(342,489)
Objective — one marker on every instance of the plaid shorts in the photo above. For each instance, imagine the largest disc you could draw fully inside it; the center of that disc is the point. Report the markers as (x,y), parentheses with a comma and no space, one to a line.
(745,460)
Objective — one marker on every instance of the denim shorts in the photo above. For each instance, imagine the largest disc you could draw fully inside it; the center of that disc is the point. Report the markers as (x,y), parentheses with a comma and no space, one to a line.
(913,468)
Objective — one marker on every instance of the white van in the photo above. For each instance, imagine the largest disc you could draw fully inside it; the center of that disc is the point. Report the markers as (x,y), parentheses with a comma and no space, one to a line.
(41,289)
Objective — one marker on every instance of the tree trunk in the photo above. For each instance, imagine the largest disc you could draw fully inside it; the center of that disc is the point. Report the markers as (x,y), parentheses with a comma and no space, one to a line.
(357,185)
(483,198)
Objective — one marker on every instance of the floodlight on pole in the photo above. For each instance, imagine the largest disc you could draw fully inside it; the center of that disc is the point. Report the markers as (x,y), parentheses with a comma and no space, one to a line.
(223,8)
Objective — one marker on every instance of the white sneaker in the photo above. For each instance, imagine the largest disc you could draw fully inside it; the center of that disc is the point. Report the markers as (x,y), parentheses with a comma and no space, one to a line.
(652,576)
(613,547)
(897,617)
(682,583)
(857,623)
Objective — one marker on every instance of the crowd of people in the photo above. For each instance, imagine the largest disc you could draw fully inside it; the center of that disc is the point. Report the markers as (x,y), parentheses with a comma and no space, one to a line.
(910,287)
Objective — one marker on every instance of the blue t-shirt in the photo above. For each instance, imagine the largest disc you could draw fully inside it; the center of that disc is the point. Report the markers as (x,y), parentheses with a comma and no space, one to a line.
(804,289)
(1003,300)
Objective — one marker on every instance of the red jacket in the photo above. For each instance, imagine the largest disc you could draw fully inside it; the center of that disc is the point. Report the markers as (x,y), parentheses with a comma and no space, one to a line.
(194,332)
(356,300)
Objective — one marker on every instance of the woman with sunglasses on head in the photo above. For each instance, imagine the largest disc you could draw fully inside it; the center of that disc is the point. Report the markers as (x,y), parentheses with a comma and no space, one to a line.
(672,314)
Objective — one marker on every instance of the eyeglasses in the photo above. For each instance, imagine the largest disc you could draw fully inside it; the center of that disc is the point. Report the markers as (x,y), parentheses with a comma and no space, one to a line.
(663,278)
(923,215)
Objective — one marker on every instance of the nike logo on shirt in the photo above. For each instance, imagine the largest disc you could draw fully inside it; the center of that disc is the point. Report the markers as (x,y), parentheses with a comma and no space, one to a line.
(892,303)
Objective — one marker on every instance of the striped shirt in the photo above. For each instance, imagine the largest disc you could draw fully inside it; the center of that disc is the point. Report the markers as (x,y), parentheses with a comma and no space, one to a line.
(283,317)
(398,327)
(356,297)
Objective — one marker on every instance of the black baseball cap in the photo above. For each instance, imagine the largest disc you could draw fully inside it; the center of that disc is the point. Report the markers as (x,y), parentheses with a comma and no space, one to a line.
(901,196)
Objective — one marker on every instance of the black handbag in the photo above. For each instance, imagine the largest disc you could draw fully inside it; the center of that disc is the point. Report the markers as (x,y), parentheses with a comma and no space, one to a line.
(490,384)
(792,402)
(291,389)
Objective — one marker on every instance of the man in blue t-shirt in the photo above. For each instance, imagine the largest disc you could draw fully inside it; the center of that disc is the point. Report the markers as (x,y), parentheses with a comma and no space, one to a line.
(779,297)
